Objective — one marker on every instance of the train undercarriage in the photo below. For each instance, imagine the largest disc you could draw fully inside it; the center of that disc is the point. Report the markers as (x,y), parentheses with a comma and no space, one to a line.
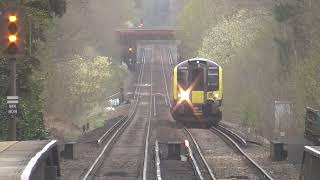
(202,116)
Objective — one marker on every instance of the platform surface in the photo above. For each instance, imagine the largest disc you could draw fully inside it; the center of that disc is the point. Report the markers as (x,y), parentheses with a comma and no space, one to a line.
(19,157)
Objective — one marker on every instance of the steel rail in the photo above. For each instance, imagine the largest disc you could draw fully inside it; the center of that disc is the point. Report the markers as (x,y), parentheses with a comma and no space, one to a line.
(194,162)
(238,138)
(106,134)
(139,82)
(170,59)
(146,150)
(98,160)
(109,131)
(140,76)
(154,106)
(157,152)
(94,167)
(255,164)
(201,154)
(165,79)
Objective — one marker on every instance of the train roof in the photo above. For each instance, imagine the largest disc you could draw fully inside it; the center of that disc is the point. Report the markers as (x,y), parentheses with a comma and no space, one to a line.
(198,59)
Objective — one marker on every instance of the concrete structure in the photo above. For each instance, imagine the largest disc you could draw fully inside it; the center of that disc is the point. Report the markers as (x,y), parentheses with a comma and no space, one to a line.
(311,163)
(34,160)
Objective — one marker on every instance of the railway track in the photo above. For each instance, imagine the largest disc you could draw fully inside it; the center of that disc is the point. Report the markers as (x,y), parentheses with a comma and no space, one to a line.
(164,76)
(194,166)
(112,137)
(236,141)
(202,168)
(171,64)
(234,136)
(231,139)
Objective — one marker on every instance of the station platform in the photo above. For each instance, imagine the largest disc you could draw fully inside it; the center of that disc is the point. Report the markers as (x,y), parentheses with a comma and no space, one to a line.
(28,160)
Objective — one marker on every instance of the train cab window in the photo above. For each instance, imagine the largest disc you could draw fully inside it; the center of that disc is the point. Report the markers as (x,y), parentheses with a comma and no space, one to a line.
(197,79)
(213,79)
(183,77)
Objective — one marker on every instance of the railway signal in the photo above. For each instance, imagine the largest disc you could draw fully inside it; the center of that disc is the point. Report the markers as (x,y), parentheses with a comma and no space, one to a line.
(13,36)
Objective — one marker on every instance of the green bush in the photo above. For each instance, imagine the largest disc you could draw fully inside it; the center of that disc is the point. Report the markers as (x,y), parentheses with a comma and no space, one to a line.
(29,88)
(284,11)
(249,111)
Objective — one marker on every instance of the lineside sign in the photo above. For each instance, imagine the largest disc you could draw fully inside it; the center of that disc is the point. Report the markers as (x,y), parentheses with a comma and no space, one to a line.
(12,102)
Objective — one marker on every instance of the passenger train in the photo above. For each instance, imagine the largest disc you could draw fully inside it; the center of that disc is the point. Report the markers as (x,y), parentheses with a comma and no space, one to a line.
(198,90)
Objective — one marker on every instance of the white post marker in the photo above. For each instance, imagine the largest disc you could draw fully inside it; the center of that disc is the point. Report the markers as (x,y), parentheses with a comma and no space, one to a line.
(12,102)
(12,99)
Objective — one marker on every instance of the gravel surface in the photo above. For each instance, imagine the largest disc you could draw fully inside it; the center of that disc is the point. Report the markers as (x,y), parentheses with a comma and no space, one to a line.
(223,160)
(85,154)
(278,170)
(94,135)
(261,154)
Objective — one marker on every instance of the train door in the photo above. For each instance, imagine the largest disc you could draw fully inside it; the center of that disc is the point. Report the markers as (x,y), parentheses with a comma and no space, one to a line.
(197,80)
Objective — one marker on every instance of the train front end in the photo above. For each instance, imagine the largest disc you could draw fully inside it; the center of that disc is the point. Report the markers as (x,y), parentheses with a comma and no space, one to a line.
(197,90)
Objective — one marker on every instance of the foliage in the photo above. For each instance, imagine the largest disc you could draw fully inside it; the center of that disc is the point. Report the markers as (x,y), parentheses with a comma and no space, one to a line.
(81,83)
(249,111)
(266,56)
(30,124)
(58,7)
(195,19)
(51,7)
(30,119)
(284,51)
(284,11)
(308,80)
(89,79)
(224,40)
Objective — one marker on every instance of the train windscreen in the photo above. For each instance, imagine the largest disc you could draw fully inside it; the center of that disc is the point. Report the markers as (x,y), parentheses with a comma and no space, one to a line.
(213,79)
(197,78)
(183,77)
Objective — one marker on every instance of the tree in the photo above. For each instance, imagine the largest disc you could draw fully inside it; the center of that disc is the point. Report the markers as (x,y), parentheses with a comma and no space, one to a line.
(36,19)
(225,39)
(195,19)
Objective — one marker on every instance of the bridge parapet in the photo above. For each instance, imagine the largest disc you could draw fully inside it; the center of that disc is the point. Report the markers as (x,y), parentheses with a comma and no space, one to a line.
(26,160)
(131,39)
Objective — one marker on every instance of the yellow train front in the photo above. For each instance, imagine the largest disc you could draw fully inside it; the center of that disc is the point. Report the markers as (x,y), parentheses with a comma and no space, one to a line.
(197,91)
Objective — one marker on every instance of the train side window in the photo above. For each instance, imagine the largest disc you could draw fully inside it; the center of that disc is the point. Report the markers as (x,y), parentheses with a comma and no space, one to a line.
(213,79)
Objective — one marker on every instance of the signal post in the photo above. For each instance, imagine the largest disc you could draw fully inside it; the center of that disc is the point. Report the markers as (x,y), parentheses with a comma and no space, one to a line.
(12,50)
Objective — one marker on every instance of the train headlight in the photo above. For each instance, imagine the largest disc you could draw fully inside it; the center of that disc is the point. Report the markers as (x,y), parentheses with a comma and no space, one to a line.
(216,95)
(184,95)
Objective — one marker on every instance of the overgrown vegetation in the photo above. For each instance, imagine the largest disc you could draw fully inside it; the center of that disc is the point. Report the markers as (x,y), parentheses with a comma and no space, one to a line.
(69,64)
(269,52)
(38,17)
